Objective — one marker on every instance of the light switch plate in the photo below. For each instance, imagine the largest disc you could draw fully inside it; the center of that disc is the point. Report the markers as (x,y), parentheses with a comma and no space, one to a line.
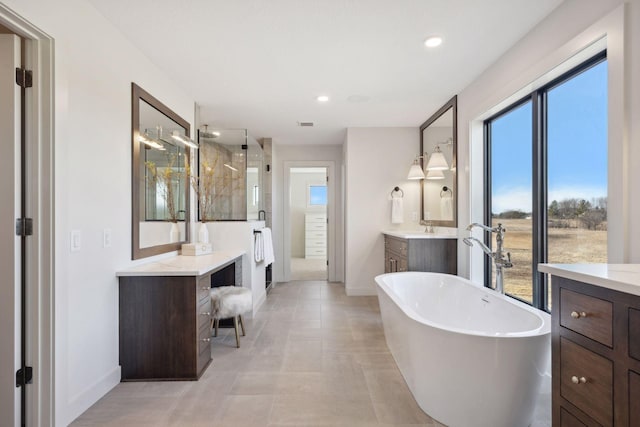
(76,240)
(106,238)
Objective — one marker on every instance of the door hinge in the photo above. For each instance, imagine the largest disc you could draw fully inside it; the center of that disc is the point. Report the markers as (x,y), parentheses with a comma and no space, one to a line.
(327,262)
(24,78)
(24,227)
(327,178)
(24,376)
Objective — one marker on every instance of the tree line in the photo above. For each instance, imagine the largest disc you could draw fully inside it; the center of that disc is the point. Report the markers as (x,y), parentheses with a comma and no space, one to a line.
(569,213)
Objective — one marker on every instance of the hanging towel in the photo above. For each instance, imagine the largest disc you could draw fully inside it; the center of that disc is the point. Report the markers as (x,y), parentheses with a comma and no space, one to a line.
(267,245)
(397,210)
(446,207)
(258,247)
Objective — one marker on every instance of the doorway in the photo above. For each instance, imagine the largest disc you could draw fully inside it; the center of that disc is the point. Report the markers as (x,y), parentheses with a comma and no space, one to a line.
(26,297)
(308,222)
(309,187)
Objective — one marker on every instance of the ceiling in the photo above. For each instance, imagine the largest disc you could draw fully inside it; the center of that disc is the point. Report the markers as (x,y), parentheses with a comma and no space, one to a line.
(260,64)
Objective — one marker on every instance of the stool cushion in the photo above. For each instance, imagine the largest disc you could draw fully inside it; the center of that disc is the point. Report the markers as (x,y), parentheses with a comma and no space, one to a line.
(230,301)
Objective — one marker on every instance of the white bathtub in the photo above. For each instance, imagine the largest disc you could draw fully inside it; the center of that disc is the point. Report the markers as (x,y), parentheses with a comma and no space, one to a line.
(470,356)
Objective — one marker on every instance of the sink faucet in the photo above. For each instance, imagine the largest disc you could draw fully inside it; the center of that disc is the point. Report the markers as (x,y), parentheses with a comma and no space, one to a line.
(501,259)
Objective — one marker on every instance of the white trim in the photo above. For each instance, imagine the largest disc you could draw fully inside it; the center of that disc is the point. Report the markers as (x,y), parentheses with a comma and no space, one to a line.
(40,206)
(91,394)
(606,32)
(331,214)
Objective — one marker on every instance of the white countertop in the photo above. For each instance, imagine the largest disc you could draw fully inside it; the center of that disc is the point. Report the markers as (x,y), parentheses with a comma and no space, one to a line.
(183,265)
(619,277)
(403,234)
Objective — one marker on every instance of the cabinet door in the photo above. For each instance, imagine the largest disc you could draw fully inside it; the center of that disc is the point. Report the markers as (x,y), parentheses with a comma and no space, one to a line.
(634,398)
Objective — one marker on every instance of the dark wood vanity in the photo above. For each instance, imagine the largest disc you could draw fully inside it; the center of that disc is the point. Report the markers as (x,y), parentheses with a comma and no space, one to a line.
(165,315)
(431,253)
(596,348)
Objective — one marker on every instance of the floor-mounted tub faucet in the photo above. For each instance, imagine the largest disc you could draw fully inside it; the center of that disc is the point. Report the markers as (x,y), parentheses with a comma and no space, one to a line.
(500,258)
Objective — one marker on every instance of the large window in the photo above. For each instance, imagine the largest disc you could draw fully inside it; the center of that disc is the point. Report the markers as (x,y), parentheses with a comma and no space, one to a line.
(546,178)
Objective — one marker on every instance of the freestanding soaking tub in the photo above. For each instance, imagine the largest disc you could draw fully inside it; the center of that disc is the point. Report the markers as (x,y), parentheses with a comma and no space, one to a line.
(470,356)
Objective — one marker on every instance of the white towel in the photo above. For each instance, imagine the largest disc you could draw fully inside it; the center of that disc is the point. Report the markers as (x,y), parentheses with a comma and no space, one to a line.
(258,247)
(267,245)
(446,207)
(397,210)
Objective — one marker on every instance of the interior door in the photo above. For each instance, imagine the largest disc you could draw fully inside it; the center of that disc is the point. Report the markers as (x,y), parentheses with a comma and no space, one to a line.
(10,243)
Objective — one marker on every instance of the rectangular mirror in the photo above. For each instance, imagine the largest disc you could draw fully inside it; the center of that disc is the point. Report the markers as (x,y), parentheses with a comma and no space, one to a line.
(160,191)
(438,146)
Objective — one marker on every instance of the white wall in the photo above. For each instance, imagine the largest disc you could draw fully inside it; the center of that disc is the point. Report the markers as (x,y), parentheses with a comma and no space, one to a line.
(94,68)
(226,235)
(299,183)
(378,159)
(558,41)
(289,153)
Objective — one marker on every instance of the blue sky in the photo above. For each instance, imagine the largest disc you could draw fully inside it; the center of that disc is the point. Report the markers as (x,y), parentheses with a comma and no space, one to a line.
(577,148)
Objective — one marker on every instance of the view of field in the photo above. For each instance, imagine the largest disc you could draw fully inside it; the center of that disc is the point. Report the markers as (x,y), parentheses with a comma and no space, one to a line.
(566,245)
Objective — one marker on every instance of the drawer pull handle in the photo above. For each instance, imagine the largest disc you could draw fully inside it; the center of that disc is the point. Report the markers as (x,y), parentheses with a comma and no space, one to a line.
(577,315)
(206,313)
(205,288)
(576,380)
(205,339)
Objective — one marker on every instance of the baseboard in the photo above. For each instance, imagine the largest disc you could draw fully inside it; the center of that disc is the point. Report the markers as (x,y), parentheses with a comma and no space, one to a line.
(85,399)
(261,300)
(360,292)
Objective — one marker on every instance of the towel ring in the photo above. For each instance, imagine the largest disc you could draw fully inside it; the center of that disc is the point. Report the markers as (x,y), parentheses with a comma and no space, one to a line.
(397,189)
(445,190)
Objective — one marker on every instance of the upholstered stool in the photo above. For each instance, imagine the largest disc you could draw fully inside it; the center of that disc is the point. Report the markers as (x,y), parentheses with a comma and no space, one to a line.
(230,302)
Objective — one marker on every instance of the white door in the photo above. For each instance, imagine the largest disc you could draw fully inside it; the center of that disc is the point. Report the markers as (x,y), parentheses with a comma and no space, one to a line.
(10,298)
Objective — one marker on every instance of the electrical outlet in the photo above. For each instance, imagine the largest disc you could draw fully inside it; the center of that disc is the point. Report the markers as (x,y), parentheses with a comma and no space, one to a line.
(106,238)
(414,216)
(76,240)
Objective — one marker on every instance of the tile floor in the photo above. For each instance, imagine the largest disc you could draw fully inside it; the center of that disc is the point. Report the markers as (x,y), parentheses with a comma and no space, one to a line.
(311,357)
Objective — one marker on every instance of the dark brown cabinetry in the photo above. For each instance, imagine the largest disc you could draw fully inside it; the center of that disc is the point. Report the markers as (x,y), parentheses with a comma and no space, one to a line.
(165,323)
(164,327)
(595,349)
(431,254)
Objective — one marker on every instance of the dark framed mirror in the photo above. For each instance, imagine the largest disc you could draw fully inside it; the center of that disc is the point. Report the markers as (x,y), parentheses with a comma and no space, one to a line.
(159,184)
(438,147)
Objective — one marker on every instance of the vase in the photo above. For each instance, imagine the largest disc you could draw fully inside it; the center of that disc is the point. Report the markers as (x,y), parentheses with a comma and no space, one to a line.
(203,233)
(174,233)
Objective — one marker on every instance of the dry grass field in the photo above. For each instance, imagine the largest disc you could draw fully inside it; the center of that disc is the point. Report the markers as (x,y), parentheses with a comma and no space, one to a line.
(566,246)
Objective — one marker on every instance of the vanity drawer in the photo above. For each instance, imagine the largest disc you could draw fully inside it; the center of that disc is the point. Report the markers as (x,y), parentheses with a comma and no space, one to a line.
(204,314)
(634,333)
(204,347)
(568,420)
(394,264)
(396,245)
(634,398)
(586,380)
(587,315)
(203,289)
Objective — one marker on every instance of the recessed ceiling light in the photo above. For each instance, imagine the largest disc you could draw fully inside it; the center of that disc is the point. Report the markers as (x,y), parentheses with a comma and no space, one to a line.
(323,98)
(433,41)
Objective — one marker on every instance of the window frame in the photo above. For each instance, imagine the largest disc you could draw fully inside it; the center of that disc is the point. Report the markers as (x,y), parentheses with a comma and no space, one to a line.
(539,144)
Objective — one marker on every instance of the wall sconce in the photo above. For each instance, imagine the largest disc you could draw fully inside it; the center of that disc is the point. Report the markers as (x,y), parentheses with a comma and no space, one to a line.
(415,171)
(437,162)
(184,139)
(435,174)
